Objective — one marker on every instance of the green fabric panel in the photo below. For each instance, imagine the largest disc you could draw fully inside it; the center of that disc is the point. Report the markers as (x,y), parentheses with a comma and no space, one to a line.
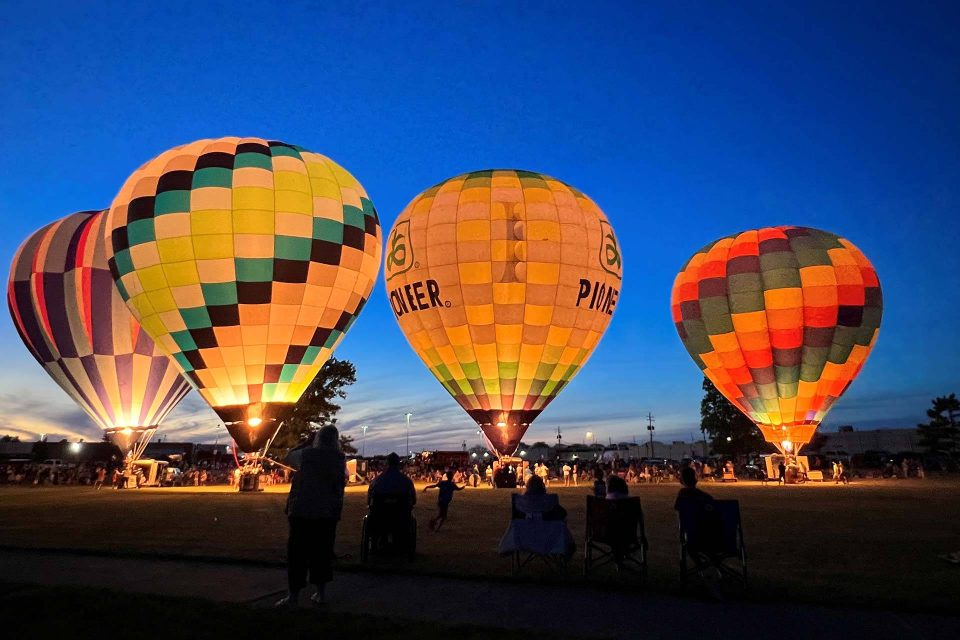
(715,313)
(141,231)
(291,248)
(864,336)
(842,345)
(258,160)
(219,293)
(287,372)
(184,340)
(123,262)
(813,257)
(123,291)
(777,260)
(744,282)
(284,150)
(471,370)
(788,390)
(812,372)
(332,339)
(827,240)
(746,302)
(353,216)
(183,362)
(787,278)
(548,389)
(474,181)
(329,230)
(254,269)
(171,202)
(213,177)
(508,370)
(196,318)
(697,341)
(443,372)
(767,391)
(787,375)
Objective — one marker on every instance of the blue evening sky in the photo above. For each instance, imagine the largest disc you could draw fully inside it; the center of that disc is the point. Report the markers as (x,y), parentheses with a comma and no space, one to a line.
(684,121)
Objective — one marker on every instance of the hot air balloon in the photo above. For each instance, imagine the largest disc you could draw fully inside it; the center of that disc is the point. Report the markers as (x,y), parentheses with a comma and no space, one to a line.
(68,313)
(247,260)
(781,320)
(503,282)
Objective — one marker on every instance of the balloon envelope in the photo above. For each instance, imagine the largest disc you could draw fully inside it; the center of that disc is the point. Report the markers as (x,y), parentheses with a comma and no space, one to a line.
(71,317)
(247,260)
(503,282)
(781,319)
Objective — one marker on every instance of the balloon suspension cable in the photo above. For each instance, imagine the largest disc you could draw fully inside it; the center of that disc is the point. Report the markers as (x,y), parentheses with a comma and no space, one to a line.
(136,451)
(253,462)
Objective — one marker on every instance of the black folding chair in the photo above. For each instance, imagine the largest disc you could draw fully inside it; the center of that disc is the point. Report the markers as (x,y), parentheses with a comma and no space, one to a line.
(388,526)
(521,557)
(615,534)
(711,536)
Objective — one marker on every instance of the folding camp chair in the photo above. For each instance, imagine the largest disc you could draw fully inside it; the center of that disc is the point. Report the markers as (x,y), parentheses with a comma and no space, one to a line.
(711,536)
(531,537)
(615,533)
(389,525)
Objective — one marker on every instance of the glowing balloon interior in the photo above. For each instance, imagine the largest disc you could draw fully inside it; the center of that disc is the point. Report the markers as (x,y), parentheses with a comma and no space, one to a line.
(503,282)
(781,319)
(68,313)
(247,260)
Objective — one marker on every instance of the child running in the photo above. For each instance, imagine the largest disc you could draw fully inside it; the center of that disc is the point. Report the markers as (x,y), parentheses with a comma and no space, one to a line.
(446,487)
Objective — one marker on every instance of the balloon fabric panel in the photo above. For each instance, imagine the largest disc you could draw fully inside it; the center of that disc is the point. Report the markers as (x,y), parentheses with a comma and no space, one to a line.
(503,281)
(71,317)
(247,260)
(781,319)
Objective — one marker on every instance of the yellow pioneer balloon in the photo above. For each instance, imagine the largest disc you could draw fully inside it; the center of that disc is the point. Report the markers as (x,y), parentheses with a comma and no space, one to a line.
(503,281)
(247,260)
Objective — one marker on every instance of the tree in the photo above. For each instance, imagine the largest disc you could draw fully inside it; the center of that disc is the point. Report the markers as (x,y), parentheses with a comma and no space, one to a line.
(9,438)
(730,431)
(346,444)
(316,406)
(940,435)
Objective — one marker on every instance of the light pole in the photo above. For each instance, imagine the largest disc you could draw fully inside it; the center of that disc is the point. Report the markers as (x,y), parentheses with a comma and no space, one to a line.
(363,446)
(650,428)
(408,414)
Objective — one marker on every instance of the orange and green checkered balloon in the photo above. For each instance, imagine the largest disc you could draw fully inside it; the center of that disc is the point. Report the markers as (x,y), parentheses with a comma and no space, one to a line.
(503,282)
(781,320)
(246,260)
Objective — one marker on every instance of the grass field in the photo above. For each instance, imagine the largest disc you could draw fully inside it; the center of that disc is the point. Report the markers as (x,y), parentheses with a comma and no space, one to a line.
(93,613)
(871,544)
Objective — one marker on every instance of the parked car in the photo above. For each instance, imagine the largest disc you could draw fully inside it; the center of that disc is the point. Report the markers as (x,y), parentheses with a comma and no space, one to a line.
(172,477)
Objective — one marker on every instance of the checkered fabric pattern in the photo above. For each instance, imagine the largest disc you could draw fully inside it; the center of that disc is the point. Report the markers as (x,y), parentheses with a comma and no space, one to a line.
(781,319)
(526,272)
(247,260)
(68,313)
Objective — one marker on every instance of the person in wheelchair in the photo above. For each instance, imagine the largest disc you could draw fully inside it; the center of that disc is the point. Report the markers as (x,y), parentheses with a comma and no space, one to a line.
(389,524)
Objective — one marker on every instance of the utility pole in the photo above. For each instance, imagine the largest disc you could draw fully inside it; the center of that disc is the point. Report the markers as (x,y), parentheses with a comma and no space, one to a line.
(363,447)
(408,414)
(650,428)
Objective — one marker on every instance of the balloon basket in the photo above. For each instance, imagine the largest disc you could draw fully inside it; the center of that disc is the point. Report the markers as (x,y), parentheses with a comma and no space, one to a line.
(250,482)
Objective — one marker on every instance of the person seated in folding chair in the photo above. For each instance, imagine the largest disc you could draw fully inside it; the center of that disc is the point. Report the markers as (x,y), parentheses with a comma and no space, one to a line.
(615,530)
(538,528)
(710,533)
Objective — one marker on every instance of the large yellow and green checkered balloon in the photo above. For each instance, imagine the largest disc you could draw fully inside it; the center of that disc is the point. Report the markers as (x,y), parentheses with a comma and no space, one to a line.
(781,319)
(503,282)
(246,260)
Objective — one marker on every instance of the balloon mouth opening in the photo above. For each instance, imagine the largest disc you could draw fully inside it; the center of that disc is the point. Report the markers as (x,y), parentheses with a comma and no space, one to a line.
(787,446)
(254,422)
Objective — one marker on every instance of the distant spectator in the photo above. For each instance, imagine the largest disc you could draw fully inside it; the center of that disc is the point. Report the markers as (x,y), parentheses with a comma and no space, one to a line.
(599,486)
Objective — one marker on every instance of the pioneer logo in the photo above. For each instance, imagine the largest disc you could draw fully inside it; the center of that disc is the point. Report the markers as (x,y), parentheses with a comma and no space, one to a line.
(399,250)
(416,296)
(610,251)
(597,295)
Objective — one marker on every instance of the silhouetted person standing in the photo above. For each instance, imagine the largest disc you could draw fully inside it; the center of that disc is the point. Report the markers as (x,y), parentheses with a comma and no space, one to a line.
(313,509)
